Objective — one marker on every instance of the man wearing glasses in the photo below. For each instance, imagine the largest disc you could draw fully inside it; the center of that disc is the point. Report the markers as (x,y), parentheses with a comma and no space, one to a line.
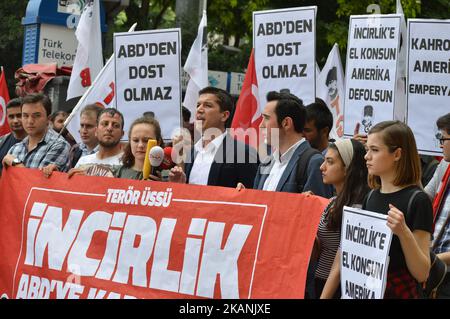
(439,191)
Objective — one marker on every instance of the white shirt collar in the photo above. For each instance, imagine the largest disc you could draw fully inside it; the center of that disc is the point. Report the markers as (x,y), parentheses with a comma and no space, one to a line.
(212,146)
(286,157)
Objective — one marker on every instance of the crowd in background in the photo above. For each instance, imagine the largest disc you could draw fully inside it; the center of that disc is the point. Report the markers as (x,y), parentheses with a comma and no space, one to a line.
(381,171)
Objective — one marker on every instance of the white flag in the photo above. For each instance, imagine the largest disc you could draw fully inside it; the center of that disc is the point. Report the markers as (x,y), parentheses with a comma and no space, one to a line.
(317,74)
(402,52)
(89,56)
(102,92)
(197,66)
(331,89)
(400,94)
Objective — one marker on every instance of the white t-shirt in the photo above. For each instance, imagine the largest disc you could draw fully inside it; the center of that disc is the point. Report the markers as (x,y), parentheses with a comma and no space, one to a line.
(85,161)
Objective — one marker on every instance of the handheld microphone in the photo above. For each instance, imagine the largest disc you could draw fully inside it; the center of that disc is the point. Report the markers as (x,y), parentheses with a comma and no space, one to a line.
(147,167)
(167,162)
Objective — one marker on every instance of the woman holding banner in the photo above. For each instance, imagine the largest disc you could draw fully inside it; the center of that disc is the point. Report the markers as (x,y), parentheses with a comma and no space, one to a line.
(344,168)
(141,130)
(394,175)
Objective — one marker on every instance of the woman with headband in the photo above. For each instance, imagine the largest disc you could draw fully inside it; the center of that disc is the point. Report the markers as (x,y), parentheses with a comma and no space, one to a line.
(344,168)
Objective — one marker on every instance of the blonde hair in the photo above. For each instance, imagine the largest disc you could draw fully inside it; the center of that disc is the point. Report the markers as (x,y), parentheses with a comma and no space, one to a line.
(394,135)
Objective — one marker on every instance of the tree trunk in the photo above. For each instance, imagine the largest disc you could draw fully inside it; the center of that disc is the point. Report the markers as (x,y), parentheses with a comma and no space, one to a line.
(143,17)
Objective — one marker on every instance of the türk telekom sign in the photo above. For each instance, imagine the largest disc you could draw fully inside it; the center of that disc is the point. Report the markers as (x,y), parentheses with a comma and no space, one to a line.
(57,44)
(49,31)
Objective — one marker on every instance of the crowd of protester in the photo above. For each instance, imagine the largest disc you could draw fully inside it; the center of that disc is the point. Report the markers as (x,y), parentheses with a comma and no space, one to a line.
(381,171)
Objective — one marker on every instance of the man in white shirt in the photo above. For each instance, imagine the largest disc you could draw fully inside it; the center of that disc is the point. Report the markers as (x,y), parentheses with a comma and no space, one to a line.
(218,159)
(109,132)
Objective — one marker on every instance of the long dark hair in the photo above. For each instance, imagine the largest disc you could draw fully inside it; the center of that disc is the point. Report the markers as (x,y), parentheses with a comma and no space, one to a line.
(355,186)
(128,157)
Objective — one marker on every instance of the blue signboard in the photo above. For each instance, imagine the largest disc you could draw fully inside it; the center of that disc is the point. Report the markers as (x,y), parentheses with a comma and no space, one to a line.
(49,30)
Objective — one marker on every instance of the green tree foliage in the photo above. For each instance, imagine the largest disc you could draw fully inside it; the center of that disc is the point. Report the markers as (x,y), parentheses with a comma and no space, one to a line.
(11,39)
(149,14)
(332,23)
(230,23)
(230,29)
(437,9)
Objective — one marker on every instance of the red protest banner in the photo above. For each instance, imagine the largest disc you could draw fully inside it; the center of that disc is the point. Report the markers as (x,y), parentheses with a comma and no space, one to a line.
(97,237)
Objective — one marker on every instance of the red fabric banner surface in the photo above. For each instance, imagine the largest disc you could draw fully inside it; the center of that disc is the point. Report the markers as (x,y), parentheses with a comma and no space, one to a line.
(4,99)
(97,237)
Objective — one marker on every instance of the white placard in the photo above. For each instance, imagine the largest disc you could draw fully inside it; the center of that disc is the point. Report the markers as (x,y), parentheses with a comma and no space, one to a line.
(371,71)
(285,52)
(365,244)
(428,83)
(148,76)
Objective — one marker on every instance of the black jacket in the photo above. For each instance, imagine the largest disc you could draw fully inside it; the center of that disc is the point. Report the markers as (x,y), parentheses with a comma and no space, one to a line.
(234,162)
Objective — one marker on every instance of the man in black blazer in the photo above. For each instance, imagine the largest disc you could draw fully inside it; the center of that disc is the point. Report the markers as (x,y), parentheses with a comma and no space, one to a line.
(217,159)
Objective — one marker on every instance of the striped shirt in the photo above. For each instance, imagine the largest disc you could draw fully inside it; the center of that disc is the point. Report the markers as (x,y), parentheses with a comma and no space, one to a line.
(52,149)
(433,188)
(329,244)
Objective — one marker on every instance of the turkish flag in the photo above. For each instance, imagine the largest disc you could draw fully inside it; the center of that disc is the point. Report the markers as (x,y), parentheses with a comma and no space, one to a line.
(4,98)
(247,116)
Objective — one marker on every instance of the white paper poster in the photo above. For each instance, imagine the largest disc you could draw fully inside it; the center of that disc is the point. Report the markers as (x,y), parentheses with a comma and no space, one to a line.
(371,71)
(428,83)
(148,76)
(365,244)
(285,52)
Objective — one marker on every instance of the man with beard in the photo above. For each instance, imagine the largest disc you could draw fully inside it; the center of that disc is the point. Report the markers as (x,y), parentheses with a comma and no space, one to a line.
(110,124)
(14,118)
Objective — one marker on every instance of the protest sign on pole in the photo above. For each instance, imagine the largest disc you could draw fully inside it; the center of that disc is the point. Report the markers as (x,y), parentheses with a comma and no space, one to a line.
(99,237)
(147,66)
(330,88)
(428,80)
(371,71)
(284,43)
(365,244)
